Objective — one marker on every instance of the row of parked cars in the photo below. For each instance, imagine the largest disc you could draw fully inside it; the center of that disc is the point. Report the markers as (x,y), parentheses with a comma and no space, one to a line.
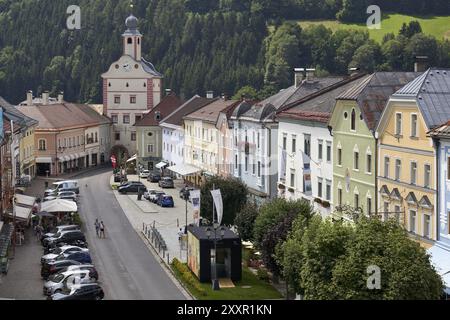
(67,266)
(67,190)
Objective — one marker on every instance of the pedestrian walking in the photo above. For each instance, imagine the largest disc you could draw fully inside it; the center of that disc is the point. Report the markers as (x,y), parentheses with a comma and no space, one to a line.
(102,230)
(97,228)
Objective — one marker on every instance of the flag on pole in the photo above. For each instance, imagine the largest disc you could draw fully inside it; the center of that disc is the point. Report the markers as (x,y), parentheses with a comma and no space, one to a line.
(195,199)
(217,197)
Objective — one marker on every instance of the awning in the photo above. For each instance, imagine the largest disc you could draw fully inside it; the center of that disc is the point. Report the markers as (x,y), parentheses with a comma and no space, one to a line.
(22,213)
(440,258)
(59,205)
(25,200)
(43,160)
(184,169)
(162,164)
(132,158)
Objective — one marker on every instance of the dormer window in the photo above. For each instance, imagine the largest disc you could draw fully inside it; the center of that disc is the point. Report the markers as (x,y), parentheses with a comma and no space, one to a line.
(158,115)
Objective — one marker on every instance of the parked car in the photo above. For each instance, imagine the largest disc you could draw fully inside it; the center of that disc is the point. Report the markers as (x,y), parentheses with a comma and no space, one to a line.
(132,187)
(166,201)
(118,177)
(183,191)
(68,185)
(89,267)
(59,229)
(61,251)
(148,193)
(56,266)
(91,291)
(64,236)
(166,182)
(56,282)
(144,173)
(54,246)
(67,195)
(154,177)
(154,197)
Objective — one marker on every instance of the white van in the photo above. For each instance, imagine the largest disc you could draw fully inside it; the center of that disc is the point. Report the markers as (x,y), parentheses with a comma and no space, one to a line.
(69,185)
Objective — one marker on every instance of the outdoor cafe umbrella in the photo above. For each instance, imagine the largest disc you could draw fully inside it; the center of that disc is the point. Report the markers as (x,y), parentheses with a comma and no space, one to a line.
(59,205)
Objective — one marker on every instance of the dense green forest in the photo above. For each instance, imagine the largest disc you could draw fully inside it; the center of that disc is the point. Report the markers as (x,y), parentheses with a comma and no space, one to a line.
(200,45)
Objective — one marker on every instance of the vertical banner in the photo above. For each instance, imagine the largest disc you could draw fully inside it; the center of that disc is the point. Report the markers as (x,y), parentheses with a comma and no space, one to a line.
(283,164)
(195,198)
(1,123)
(217,197)
(114,161)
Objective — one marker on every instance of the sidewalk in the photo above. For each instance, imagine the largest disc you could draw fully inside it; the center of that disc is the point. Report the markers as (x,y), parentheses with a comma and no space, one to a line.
(168,221)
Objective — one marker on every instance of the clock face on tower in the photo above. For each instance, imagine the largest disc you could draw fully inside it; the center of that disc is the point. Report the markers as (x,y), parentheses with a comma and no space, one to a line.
(126,67)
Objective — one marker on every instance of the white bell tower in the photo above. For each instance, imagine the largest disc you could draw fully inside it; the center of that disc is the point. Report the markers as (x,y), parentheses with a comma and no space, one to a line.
(132,39)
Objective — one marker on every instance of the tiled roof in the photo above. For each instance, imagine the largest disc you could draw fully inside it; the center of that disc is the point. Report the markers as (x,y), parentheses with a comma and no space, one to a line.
(319,105)
(64,115)
(267,108)
(167,105)
(210,112)
(373,92)
(193,104)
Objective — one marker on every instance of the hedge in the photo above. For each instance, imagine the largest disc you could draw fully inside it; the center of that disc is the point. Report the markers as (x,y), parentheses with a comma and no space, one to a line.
(187,276)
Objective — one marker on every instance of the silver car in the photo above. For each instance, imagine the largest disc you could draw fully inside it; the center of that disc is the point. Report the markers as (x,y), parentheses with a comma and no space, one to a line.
(61,251)
(58,282)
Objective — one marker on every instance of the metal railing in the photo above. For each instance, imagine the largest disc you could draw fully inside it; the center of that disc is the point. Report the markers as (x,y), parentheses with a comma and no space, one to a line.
(152,234)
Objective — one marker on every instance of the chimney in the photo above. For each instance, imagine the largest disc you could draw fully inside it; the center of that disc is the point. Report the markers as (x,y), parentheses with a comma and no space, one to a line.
(210,94)
(298,76)
(310,74)
(29,98)
(45,96)
(421,63)
(61,97)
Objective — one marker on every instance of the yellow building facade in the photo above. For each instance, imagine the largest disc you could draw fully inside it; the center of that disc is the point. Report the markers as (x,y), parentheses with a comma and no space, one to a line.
(406,169)
(27,154)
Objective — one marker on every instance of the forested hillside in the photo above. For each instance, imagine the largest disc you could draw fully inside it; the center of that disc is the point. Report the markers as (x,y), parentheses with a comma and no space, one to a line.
(198,45)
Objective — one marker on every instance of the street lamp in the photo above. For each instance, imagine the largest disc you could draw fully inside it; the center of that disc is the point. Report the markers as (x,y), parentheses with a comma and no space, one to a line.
(215,281)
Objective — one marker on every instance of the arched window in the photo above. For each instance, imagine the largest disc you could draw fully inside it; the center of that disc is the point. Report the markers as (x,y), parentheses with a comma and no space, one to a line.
(353,120)
(129,41)
(139,41)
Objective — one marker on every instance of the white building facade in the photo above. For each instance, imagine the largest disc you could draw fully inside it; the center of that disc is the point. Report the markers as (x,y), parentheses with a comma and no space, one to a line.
(306,163)
(131,87)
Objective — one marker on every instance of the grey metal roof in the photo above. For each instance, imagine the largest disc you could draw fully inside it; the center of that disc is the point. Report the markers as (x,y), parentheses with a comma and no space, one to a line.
(373,92)
(13,114)
(150,68)
(412,88)
(318,106)
(432,92)
(268,107)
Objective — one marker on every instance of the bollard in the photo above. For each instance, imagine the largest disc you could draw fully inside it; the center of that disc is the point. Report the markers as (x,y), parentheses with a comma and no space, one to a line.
(168,260)
(143,225)
(178,223)
(164,253)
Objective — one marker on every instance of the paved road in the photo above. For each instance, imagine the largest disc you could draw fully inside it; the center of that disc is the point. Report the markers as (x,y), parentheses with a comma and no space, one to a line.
(127,269)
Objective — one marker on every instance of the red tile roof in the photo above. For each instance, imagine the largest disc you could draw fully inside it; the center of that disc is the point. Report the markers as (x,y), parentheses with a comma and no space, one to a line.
(167,105)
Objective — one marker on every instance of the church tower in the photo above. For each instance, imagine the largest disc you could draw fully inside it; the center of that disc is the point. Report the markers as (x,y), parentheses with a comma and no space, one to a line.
(131,87)
(132,39)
